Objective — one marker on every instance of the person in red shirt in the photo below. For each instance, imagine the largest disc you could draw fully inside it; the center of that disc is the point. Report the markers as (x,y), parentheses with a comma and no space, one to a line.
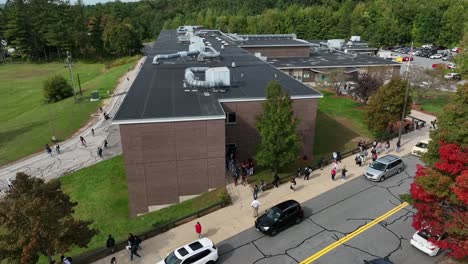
(198,229)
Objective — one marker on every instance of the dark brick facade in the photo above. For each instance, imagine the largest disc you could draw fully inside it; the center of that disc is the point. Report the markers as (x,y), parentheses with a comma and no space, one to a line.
(164,161)
(280,52)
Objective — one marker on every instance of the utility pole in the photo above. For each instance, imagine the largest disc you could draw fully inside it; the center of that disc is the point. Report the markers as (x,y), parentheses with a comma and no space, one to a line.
(69,64)
(400,130)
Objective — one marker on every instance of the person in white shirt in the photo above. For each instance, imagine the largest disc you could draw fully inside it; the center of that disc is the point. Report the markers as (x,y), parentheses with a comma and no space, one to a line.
(255,205)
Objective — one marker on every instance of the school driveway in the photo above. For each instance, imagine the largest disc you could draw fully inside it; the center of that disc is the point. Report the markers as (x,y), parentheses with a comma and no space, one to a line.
(336,214)
(73,155)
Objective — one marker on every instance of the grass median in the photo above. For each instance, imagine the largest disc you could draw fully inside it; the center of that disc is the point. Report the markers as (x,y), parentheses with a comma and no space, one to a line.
(101,191)
(28,122)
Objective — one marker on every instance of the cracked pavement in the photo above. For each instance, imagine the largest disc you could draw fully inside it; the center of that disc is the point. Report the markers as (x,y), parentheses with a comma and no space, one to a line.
(73,155)
(333,215)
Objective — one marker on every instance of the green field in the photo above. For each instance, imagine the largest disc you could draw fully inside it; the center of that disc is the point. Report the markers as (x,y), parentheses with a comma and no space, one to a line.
(340,124)
(28,123)
(434,101)
(101,191)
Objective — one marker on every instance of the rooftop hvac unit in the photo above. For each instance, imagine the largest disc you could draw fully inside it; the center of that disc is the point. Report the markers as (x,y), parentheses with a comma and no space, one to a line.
(355,38)
(219,75)
(335,43)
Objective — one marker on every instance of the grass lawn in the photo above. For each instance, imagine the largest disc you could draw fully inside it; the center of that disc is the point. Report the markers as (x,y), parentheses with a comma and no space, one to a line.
(28,123)
(101,191)
(434,101)
(340,123)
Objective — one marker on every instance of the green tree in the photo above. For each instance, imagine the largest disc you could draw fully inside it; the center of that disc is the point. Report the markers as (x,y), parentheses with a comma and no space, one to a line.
(56,88)
(452,125)
(37,218)
(452,25)
(386,105)
(279,144)
(461,59)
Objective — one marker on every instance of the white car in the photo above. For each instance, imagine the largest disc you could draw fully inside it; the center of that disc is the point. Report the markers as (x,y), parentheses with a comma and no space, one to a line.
(452,75)
(420,148)
(420,240)
(202,251)
(436,56)
(451,66)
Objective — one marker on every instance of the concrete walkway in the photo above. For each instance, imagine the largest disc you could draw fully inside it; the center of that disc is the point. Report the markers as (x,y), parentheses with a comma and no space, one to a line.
(238,217)
(73,155)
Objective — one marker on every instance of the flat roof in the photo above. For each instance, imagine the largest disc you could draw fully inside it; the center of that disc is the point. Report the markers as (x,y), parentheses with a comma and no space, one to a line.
(273,42)
(325,59)
(158,93)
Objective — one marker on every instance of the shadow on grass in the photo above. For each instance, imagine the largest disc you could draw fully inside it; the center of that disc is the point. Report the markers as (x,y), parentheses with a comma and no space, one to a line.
(331,135)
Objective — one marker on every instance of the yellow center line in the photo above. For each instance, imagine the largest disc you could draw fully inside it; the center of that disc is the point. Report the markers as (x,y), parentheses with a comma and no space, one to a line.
(353,234)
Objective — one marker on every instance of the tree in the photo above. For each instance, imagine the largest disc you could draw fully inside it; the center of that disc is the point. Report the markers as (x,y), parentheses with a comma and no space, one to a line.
(367,85)
(336,77)
(56,88)
(440,195)
(279,144)
(423,80)
(386,105)
(461,59)
(452,125)
(37,218)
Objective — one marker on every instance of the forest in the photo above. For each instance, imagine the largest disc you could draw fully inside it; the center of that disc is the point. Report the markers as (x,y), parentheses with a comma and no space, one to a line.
(45,29)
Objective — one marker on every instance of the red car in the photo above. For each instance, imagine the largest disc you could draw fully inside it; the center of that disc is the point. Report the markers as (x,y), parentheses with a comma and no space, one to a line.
(435,65)
(406,58)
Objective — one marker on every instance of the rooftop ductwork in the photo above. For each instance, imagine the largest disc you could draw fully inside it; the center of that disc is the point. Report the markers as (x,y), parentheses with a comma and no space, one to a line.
(214,77)
(196,48)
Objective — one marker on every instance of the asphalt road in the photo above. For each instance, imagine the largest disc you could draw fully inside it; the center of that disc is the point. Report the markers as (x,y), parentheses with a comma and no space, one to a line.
(330,217)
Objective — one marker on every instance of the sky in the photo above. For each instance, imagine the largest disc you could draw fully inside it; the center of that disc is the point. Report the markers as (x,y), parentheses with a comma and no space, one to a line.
(89,2)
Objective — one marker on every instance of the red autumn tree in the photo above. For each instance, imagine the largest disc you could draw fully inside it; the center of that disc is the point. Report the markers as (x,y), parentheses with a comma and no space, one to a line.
(440,195)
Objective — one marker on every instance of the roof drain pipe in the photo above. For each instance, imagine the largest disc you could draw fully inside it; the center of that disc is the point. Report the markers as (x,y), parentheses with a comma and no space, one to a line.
(190,78)
(179,54)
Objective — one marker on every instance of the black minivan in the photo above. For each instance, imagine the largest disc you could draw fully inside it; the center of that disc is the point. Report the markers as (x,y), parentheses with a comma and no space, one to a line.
(279,217)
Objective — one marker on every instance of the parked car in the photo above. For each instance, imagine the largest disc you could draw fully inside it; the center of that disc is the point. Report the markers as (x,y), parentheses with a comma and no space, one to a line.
(436,56)
(280,217)
(202,251)
(384,167)
(408,58)
(420,240)
(420,148)
(452,76)
(456,49)
(435,65)
(378,261)
(447,58)
(451,66)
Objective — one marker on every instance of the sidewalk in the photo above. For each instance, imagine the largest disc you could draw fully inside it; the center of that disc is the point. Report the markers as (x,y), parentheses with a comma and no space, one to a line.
(73,155)
(238,217)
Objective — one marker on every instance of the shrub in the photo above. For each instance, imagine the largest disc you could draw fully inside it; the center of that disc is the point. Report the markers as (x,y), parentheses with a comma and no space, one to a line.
(56,88)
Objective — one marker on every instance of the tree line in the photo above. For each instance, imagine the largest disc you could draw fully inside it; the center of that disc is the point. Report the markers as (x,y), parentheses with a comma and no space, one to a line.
(41,29)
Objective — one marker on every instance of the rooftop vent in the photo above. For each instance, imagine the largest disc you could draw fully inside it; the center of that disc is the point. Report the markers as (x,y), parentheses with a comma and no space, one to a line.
(233,64)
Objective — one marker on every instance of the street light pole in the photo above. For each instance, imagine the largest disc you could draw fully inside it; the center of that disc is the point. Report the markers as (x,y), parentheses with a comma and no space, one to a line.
(50,120)
(400,130)
(69,64)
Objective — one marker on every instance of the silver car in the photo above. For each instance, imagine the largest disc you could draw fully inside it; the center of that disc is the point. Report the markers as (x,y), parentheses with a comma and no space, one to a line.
(384,167)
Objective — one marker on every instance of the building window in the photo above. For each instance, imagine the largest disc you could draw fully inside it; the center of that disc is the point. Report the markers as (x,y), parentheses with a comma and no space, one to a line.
(231,118)
(306,75)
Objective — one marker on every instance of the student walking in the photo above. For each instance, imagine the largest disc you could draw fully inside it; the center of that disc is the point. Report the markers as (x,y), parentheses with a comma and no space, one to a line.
(99,151)
(198,229)
(276,180)
(293,184)
(134,251)
(255,192)
(83,141)
(322,163)
(387,146)
(262,185)
(48,149)
(333,173)
(57,148)
(398,146)
(255,205)
(105,143)
(343,173)
(307,173)
(92,131)
(110,244)
(113,260)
